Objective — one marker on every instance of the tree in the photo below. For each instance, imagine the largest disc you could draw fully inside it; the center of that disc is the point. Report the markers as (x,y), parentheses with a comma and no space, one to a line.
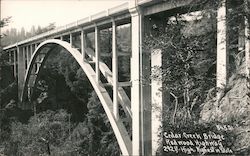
(6,92)
(4,22)
(100,133)
(188,44)
(188,58)
(40,30)
(46,132)
(12,36)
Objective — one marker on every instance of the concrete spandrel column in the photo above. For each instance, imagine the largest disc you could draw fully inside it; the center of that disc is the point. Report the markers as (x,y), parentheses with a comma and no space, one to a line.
(222,48)
(31,50)
(71,39)
(97,53)
(9,57)
(28,55)
(15,62)
(36,45)
(115,71)
(157,99)
(83,43)
(136,105)
(24,57)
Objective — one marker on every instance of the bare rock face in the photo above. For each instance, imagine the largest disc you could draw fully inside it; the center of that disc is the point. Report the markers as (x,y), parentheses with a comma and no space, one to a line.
(232,108)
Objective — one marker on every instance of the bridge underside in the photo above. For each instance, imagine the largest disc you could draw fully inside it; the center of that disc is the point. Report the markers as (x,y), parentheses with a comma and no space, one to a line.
(30,80)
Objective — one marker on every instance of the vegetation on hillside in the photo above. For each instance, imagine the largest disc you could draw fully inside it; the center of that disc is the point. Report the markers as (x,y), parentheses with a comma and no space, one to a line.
(70,120)
(188,44)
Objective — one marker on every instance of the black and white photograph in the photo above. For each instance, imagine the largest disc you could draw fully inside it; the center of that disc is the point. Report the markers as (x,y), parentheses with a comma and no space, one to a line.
(124,78)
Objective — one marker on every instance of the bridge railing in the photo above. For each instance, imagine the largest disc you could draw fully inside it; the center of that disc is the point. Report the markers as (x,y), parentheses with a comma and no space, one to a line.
(120,9)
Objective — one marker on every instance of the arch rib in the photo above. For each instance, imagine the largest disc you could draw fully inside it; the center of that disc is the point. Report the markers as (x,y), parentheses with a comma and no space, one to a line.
(119,129)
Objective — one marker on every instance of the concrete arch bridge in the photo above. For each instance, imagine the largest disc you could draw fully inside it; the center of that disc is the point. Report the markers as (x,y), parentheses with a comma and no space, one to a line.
(28,57)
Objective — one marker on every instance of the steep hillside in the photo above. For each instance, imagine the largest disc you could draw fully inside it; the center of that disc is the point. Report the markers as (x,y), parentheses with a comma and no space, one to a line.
(233,109)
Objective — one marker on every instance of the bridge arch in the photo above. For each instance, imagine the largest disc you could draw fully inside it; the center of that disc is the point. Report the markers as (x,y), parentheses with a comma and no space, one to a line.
(44,48)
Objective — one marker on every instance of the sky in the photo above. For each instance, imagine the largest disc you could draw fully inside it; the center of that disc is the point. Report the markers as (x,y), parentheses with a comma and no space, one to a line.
(26,13)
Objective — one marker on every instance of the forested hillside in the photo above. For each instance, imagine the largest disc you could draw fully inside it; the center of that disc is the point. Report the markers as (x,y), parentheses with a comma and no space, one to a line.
(68,118)
(189,44)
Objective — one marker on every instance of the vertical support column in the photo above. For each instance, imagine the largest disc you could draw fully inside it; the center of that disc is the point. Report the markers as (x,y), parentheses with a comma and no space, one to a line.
(83,43)
(71,39)
(28,55)
(31,50)
(11,61)
(9,55)
(247,42)
(115,71)
(97,53)
(136,104)
(12,57)
(222,52)
(15,62)
(21,70)
(61,38)
(157,100)
(36,45)
(38,57)
(24,57)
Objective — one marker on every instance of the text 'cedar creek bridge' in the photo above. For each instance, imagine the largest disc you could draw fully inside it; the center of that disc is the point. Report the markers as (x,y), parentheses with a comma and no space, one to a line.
(28,57)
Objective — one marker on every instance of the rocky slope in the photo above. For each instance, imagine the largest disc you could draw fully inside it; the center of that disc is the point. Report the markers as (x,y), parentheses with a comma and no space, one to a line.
(232,108)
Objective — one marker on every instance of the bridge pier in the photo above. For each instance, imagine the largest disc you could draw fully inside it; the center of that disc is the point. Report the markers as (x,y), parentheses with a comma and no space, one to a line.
(15,64)
(222,48)
(146,95)
(21,70)
(136,104)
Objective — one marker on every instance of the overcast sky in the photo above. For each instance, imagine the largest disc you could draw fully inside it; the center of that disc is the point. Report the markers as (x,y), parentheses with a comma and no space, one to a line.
(26,13)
